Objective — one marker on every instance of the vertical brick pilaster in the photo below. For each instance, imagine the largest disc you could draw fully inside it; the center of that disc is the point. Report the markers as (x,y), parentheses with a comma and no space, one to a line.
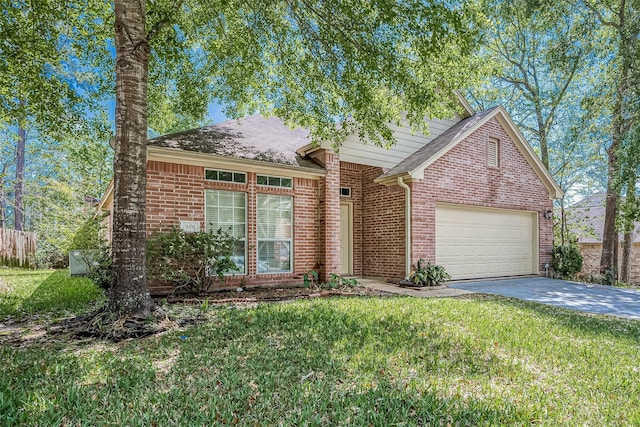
(329,214)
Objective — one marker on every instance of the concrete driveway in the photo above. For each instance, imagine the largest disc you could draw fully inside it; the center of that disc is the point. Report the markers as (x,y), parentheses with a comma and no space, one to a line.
(578,296)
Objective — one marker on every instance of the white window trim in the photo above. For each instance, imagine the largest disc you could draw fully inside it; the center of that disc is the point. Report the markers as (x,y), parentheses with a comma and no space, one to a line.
(246,228)
(291,240)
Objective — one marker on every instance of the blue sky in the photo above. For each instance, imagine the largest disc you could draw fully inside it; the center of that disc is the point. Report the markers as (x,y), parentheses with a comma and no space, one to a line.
(214,113)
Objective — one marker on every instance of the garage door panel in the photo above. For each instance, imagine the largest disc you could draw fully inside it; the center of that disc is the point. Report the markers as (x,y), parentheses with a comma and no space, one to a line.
(479,242)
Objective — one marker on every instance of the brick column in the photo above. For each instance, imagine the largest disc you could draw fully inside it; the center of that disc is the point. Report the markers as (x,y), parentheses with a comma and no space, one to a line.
(329,215)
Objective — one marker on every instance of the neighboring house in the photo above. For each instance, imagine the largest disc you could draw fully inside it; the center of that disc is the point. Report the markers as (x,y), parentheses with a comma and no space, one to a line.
(472,196)
(585,220)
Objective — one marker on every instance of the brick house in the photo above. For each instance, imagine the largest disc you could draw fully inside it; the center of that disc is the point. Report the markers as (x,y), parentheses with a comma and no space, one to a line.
(586,221)
(472,196)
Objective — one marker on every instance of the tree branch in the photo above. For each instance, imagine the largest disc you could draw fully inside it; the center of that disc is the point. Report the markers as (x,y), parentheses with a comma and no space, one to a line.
(158,26)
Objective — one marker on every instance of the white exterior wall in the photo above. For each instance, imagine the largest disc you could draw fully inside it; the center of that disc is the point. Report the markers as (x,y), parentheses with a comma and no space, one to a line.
(354,151)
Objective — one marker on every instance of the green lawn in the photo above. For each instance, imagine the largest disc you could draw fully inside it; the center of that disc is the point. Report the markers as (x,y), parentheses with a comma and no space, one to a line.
(26,292)
(341,361)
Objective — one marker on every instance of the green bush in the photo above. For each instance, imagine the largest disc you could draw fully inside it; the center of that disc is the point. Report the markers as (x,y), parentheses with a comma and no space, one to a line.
(192,262)
(566,260)
(427,274)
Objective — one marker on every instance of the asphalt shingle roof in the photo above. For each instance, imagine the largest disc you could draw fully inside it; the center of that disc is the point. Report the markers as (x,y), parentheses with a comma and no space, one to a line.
(253,138)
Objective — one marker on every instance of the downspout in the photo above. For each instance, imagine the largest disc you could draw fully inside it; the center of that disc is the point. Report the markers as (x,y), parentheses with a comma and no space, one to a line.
(407,223)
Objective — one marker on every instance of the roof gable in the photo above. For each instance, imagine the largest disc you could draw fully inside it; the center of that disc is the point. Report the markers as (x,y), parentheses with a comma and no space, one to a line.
(414,165)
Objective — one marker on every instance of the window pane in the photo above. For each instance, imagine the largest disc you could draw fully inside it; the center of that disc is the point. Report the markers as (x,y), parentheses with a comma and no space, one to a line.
(225,176)
(274,257)
(239,177)
(286,182)
(225,216)
(238,231)
(226,210)
(209,174)
(275,231)
(274,180)
(262,180)
(238,215)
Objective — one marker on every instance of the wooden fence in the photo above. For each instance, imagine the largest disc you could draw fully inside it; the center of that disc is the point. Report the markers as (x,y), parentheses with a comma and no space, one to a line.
(17,248)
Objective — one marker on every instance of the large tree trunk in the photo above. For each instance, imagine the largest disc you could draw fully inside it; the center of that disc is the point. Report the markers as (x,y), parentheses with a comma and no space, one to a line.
(609,233)
(3,205)
(129,293)
(629,223)
(619,130)
(542,136)
(18,208)
(625,268)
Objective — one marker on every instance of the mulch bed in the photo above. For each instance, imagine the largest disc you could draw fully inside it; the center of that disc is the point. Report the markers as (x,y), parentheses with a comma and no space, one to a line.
(255,295)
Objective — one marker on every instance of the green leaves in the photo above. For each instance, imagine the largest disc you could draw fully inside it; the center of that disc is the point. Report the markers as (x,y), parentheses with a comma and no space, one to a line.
(190,261)
(315,64)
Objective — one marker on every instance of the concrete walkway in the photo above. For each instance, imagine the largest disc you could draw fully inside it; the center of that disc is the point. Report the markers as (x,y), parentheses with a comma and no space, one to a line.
(389,288)
(585,297)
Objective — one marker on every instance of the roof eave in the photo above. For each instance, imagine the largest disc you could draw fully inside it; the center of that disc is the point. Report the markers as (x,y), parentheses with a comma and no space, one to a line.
(392,179)
(465,104)
(175,155)
(106,197)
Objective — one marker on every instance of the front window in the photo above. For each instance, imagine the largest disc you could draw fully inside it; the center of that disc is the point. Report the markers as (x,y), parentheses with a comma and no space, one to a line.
(226,210)
(275,219)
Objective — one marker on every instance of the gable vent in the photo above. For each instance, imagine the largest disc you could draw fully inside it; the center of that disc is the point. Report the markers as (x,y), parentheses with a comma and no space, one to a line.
(492,153)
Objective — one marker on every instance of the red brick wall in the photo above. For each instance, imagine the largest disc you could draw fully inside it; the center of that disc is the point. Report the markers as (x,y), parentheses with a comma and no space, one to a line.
(176,192)
(329,194)
(383,227)
(591,260)
(462,176)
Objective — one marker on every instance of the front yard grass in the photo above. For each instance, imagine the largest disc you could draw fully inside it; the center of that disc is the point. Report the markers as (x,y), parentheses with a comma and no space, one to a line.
(44,292)
(341,361)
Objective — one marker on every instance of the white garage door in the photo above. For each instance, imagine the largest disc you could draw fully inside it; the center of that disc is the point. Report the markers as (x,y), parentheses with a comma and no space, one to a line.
(474,242)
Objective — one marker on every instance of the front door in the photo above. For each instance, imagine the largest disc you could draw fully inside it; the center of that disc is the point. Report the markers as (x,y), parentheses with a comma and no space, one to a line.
(346,239)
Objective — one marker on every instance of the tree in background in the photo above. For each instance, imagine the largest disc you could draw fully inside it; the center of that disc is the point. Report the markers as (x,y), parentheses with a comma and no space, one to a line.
(619,22)
(50,95)
(540,55)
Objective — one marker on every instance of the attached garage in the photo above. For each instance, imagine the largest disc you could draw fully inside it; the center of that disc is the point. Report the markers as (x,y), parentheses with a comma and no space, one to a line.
(475,242)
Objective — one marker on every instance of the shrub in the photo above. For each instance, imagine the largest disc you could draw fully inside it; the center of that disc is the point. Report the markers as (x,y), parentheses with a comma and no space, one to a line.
(190,261)
(566,260)
(427,274)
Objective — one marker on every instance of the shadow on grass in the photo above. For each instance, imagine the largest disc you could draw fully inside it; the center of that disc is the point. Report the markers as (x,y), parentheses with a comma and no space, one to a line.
(51,292)
(366,362)
(588,324)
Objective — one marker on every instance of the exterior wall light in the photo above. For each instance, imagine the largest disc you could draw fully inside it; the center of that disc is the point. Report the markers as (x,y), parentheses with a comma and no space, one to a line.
(548,214)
